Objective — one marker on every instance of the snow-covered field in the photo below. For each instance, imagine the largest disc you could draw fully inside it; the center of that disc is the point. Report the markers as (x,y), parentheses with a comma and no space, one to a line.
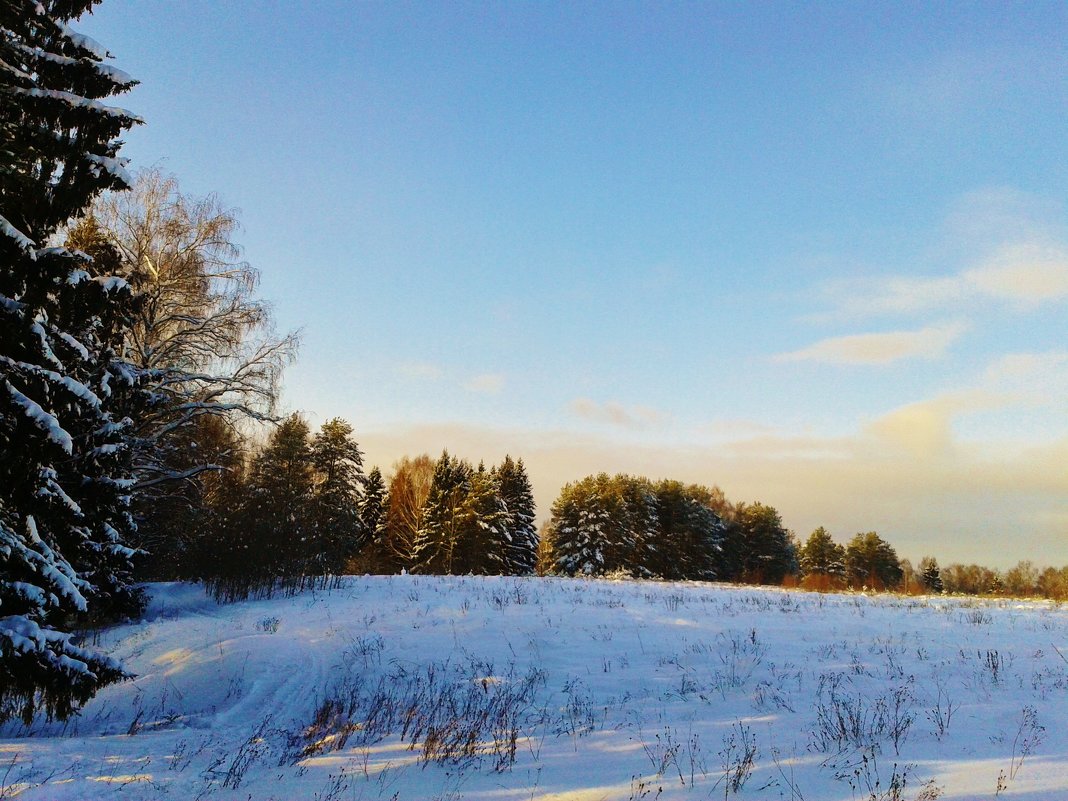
(417,688)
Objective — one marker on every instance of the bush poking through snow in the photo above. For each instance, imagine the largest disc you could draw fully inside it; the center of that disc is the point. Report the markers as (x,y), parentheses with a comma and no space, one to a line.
(450,713)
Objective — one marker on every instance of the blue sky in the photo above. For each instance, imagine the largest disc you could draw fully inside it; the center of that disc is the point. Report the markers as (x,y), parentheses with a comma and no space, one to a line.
(816,254)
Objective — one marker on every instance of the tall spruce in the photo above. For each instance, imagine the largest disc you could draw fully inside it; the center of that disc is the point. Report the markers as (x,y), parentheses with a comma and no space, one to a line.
(372,515)
(577,530)
(339,488)
(931,575)
(481,545)
(521,535)
(604,524)
(277,537)
(439,538)
(689,534)
(64,454)
(601,524)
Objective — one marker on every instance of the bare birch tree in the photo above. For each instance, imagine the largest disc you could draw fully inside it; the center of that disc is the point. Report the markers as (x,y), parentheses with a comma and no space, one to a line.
(204,341)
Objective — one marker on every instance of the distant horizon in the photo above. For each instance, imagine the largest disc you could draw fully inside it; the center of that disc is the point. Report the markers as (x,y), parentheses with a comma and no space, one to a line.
(817,256)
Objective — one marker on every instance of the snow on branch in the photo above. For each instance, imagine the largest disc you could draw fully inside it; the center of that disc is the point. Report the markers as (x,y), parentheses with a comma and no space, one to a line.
(42,419)
(77,101)
(83,42)
(112,166)
(23,241)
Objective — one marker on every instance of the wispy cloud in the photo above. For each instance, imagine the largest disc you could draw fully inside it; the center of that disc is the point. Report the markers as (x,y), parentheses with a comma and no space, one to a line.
(486,383)
(879,348)
(1027,274)
(1024,275)
(998,246)
(734,428)
(616,414)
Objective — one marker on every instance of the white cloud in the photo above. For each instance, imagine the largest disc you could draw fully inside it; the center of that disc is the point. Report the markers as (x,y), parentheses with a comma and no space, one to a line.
(616,414)
(998,245)
(880,348)
(482,383)
(1026,275)
(1029,274)
(925,429)
(486,383)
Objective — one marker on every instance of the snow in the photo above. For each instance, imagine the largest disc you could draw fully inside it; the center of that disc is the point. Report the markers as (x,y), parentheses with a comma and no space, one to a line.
(42,337)
(111,283)
(77,101)
(112,166)
(30,592)
(42,419)
(11,232)
(71,385)
(50,486)
(43,560)
(83,41)
(64,253)
(78,389)
(120,77)
(75,344)
(15,71)
(615,690)
(114,74)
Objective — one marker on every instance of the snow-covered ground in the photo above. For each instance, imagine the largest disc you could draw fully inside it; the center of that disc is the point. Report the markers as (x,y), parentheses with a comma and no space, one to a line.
(418,688)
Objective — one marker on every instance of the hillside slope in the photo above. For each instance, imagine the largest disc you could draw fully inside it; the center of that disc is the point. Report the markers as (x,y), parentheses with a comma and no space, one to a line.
(412,687)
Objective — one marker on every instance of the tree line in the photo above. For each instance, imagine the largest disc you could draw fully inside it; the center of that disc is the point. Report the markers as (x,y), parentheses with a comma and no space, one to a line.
(629,525)
(301,511)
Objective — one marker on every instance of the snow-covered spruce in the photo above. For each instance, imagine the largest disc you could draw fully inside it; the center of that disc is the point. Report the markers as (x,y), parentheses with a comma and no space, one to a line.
(606,524)
(476,521)
(64,464)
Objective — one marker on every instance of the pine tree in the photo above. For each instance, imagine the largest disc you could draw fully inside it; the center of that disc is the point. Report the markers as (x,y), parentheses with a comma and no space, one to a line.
(210,531)
(601,524)
(871,562)
(338,494)
(768,553)
(576,530)
(821,555)
(521,534)
(64,455)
